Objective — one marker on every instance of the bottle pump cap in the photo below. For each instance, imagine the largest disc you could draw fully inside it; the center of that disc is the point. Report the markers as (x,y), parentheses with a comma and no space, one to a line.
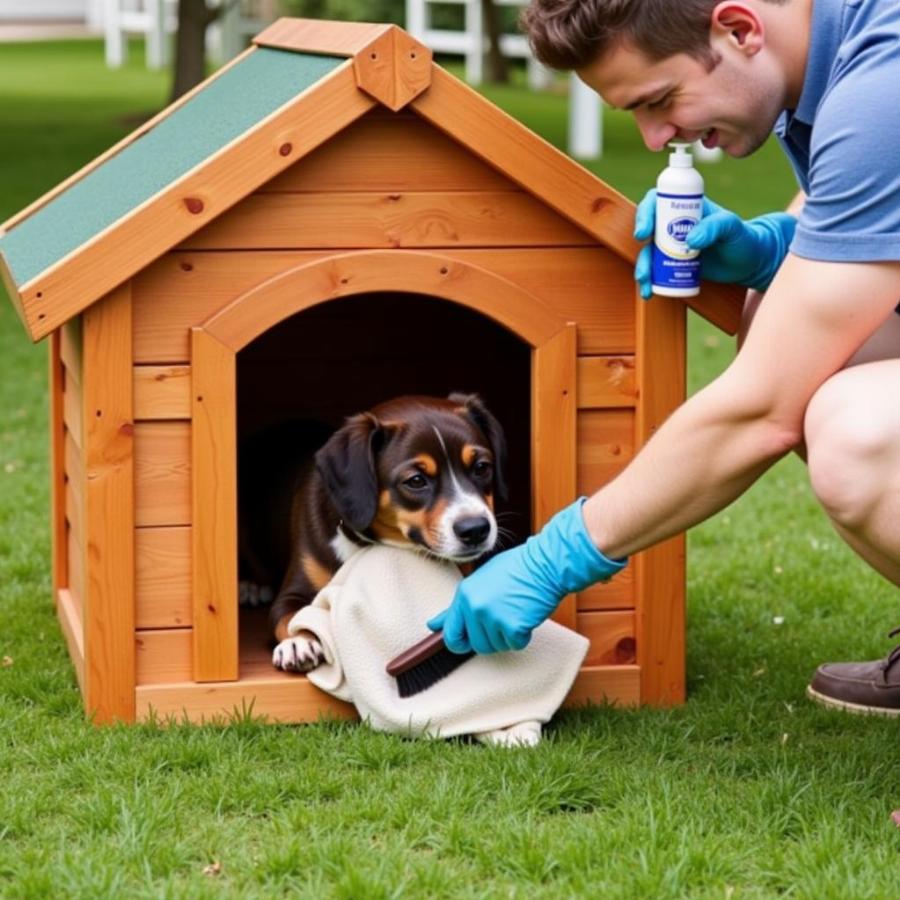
(681,158)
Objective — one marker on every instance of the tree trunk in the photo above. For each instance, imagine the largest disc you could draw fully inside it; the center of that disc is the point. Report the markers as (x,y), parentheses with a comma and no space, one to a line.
(497,66)
(194,16)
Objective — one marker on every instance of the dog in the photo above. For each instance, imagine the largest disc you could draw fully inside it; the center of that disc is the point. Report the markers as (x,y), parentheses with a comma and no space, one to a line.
(414,471)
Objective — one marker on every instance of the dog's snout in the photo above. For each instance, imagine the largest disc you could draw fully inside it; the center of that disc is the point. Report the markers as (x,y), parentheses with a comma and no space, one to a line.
(472,530)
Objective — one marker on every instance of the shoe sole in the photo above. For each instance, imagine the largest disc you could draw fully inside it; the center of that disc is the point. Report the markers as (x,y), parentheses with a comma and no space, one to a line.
(857,709)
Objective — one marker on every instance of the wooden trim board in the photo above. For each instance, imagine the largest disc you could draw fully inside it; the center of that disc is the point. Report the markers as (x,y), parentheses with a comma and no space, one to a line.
(659,572)
(383,270)
(280,697)
(108,551)
(214,574)
(553,438)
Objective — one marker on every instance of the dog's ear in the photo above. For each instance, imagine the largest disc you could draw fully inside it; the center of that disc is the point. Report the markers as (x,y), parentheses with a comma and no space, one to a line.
(347,466)
(475,410)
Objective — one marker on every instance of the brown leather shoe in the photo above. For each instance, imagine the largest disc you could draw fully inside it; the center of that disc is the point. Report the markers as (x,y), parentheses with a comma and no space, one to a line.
(868,688)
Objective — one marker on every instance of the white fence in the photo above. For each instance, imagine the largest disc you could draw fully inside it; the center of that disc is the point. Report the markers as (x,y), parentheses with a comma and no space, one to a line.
(51,11)
(585,122)
(156,20)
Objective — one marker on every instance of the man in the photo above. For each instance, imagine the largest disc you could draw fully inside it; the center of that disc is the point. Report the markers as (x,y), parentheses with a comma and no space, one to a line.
(819,370)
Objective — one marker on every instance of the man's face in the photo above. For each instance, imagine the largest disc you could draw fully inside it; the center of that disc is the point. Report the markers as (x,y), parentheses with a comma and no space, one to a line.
(732,106)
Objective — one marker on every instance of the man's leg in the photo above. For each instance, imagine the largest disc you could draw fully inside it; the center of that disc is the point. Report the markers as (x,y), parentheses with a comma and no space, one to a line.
(853,453)
(852,430)
(852,449)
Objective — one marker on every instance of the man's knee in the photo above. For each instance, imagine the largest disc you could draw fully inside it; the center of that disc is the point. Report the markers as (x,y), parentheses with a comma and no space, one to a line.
(851,449)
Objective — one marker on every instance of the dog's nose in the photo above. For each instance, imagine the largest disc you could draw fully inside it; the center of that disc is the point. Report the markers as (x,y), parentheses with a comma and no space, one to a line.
(472,530)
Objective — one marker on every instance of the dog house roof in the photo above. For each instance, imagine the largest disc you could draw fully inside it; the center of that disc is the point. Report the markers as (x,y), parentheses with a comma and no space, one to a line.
(301,82)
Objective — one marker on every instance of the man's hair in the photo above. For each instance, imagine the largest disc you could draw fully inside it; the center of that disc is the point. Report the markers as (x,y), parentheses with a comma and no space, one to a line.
(572,34)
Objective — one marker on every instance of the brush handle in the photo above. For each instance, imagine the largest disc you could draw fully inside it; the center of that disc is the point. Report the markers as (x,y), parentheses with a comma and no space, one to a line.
(425,649)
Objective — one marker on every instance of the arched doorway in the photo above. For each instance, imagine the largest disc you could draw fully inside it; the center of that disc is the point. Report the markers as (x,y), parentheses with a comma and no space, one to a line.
(354,292)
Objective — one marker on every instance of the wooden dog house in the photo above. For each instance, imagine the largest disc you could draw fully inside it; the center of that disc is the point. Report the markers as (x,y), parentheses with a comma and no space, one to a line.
(329,220)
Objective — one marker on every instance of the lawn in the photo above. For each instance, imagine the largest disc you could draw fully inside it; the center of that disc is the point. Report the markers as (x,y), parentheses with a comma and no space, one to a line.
(745,791)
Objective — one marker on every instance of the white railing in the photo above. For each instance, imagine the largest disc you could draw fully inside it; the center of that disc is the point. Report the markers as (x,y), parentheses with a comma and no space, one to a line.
(157,20)
(585,122)
(471,42)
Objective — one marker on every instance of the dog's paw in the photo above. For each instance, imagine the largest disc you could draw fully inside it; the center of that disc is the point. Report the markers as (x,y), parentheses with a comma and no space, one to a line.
(300,653)
(525,734)
(252,594)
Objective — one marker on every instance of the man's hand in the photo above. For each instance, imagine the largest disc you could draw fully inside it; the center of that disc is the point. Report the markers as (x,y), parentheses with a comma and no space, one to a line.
(732,250)
(498,606)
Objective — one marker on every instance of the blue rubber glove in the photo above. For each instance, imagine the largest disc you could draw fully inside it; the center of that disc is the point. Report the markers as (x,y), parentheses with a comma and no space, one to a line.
(733,250)
(497,607)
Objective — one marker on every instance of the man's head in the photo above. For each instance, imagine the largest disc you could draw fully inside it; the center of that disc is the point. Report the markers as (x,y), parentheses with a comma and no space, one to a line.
(688,69)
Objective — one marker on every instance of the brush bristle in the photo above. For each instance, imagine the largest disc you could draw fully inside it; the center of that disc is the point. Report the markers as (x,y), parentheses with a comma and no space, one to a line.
(430,671)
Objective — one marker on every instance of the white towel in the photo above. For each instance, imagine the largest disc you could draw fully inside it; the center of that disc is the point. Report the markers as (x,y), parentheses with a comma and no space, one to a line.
(376,607)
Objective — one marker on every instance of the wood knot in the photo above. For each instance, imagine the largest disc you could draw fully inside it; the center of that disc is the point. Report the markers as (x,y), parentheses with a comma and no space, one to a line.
(286,149)
(194,205)
(127,429)
(625,650)
(187,267)
(598,204)
(395,197)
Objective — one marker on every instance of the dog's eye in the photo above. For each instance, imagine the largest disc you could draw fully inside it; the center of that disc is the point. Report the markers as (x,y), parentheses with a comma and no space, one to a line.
(482,469)
(417,482)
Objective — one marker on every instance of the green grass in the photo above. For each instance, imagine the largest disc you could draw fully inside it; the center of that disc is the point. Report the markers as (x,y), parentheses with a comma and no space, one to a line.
(746,791)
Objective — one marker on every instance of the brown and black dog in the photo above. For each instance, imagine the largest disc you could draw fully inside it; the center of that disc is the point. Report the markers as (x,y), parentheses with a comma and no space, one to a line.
(414,471)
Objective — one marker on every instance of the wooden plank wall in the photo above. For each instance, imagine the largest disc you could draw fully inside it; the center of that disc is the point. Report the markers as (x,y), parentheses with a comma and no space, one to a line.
(388,181)
(163,607)
(67,489)
(70,556)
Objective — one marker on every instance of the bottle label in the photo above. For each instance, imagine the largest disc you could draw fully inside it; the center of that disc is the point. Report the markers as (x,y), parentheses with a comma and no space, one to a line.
(673,264)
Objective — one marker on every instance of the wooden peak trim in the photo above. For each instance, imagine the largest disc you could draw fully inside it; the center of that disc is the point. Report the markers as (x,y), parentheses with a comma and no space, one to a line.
(389,64)
(394,69)
(316,36)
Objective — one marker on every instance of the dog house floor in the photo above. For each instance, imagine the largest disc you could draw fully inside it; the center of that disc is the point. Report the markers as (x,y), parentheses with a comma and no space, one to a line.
(263,691)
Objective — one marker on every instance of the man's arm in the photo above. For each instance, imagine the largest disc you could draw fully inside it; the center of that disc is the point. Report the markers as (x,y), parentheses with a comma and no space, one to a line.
(796,204)
(706,454)
(721,440)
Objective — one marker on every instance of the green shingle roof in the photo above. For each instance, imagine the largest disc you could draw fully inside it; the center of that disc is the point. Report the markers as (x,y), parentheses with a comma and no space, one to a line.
(227,107)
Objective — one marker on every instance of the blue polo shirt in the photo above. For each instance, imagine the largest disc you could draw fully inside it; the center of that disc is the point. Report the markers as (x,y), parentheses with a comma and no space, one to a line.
(843,139)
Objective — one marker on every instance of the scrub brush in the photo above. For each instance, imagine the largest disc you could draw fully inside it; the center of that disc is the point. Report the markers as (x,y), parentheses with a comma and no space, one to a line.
(424,664)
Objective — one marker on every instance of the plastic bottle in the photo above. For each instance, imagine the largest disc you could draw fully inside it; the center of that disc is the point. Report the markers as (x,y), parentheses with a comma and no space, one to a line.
(679,206)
